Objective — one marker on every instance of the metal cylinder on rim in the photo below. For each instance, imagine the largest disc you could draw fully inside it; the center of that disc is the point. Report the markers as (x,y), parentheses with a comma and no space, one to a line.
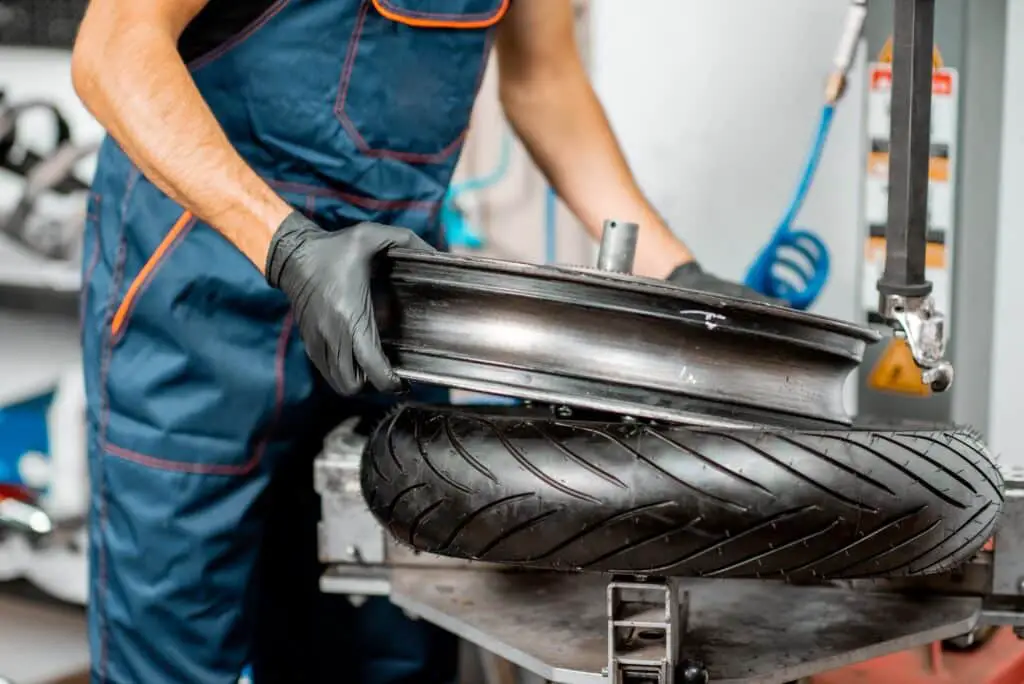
(618,246)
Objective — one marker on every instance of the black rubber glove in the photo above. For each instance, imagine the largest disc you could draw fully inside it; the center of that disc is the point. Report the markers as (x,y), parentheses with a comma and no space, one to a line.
(691,276)
(326,275)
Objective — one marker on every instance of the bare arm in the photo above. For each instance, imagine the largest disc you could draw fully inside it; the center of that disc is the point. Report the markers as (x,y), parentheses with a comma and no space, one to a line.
(127,70)
(549,101)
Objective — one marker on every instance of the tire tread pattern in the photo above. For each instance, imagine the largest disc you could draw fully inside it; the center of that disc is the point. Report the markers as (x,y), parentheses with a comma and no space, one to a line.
(621,497)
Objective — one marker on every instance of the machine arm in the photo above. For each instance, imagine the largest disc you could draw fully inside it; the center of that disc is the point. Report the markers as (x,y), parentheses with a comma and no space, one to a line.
(905,299)
(904,292)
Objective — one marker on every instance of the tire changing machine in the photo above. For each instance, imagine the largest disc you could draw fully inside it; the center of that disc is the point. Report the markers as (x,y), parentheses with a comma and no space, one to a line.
(588,629)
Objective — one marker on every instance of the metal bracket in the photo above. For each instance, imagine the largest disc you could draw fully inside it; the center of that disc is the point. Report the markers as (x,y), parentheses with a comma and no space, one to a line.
(646,623)
(348,531)
(1004,603)
(24,517)
(359,553)
(1008,547)
(924,328)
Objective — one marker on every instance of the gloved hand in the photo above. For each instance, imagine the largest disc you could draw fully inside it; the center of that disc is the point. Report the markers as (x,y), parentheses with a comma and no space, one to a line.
(326,275)
(691,276)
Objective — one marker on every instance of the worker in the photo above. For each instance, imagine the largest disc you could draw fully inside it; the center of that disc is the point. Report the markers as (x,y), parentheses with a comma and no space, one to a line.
(261,154)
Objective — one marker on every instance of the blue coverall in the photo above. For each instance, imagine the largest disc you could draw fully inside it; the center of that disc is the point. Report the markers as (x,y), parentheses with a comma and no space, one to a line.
(204,411)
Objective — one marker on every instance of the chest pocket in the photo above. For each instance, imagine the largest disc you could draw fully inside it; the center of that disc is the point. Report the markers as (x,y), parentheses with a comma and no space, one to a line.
(411,73)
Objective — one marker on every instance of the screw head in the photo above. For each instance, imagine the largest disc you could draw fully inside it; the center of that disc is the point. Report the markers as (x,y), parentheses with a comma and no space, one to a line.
(694,673)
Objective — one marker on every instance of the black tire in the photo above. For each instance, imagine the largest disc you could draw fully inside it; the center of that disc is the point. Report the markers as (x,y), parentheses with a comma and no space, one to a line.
(677,501)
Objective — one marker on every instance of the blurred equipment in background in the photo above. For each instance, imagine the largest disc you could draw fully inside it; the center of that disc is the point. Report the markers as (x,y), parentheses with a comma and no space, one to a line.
(44,477)
(15,157)
(41,229)
(40,23)
(49,217)
(43,473)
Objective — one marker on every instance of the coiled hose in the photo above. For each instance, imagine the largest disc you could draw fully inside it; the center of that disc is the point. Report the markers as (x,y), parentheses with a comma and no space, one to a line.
(794,265)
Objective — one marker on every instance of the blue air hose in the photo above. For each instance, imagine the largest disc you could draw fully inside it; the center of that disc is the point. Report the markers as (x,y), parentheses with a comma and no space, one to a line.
(457,229)
(550,226)
(794,265)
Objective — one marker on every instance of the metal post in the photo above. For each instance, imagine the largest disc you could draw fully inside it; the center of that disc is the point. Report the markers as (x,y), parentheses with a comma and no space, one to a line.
(618,247)
(909,153)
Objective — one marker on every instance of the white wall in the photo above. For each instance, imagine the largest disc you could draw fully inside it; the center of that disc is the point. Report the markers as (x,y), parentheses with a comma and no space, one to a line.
(716,103)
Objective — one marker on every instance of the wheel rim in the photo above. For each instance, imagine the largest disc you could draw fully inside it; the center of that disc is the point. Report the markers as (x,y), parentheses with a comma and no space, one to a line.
(614,342)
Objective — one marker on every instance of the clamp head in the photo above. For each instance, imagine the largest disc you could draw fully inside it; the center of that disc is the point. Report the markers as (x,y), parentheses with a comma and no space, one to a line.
(916,320)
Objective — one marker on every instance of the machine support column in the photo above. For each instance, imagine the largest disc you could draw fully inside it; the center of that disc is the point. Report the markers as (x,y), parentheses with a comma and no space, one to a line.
(618,246)
(909,153)
(904,293)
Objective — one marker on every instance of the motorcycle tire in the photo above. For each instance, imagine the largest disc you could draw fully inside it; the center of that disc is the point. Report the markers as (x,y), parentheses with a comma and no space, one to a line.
(522,488)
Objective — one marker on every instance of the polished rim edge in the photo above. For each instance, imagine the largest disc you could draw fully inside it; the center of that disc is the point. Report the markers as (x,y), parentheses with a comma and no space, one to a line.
(631,283)
(825,341)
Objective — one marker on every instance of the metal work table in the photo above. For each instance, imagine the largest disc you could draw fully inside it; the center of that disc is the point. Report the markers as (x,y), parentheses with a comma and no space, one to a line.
(743,631)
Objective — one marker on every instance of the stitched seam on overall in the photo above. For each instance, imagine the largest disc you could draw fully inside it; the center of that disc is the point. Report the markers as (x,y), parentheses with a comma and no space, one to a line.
(350,127)
(260,448)
(97,205)
(239,38)
(94,259)
(105,349)
(477,16)
(84,297)
(358,200)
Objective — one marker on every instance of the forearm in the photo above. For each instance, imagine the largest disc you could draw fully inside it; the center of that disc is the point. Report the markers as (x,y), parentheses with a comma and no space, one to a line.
(564,128)
(128,73)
